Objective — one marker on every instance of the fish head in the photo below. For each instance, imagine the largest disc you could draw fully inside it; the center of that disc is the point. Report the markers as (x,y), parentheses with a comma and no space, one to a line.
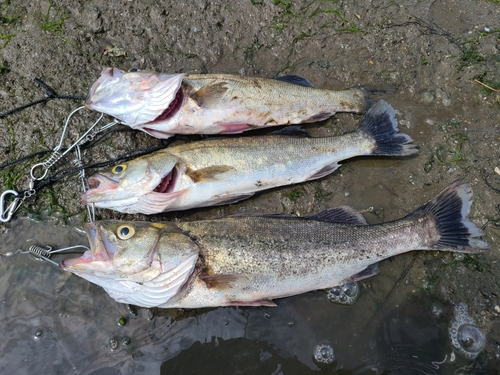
(122,186)
(135,98)
(140,263)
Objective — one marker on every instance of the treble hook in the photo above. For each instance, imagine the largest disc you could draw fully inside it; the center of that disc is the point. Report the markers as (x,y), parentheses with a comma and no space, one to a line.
(6,215)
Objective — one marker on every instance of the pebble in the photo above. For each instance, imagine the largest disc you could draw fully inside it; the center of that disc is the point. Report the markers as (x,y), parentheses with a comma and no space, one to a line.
(497,171)
(428,97)
(497,309)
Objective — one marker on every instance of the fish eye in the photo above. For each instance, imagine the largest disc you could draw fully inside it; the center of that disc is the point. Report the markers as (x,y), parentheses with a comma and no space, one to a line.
(119,168)
(133,70)
(124,232)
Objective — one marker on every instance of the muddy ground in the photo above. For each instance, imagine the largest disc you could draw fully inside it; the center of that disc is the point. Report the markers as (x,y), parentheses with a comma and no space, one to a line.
(435,54)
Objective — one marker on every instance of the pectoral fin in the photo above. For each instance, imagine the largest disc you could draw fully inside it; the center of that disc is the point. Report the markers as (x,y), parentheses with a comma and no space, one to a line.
(209,173)
(209,95)
(224,281)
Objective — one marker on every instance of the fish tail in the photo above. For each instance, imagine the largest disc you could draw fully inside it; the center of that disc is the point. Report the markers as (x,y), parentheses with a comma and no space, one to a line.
(380,124)
(450,210)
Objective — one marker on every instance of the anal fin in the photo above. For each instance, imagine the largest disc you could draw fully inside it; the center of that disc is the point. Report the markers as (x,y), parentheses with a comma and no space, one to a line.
(295,130)
(230,198)
(325,171)
(233,127)
(369,271)
(262,302)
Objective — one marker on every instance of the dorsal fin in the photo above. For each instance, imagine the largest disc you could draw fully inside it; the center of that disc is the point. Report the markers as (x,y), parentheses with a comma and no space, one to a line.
(295,80)
(342,214)
(295,130)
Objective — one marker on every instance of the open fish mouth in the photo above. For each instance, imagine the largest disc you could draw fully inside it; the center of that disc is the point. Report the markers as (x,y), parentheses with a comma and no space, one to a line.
(101,250)
(98,184)
(168,182)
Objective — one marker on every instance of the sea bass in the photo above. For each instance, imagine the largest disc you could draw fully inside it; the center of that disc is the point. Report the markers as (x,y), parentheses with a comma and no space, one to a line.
(251,260)
(220,171)
(167,104)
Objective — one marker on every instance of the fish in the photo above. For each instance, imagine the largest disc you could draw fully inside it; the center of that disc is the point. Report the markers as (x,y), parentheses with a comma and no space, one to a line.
(251,260)
(220,171)
(166,104)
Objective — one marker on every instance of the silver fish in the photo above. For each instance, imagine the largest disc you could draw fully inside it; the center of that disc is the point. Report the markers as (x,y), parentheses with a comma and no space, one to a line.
(167,104)
(251,260)
(221,171)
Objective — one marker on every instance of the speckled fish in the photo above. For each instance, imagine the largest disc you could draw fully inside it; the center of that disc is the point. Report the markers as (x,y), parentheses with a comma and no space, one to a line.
(251,260)
(167,104)
(220,171)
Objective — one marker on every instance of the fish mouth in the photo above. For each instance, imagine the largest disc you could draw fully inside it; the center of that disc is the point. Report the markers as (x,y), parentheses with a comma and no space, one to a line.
(172,109)
(98,183)
(101,250)
(168,182)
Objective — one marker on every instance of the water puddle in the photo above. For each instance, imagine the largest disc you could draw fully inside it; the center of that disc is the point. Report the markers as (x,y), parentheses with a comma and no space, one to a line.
(54,322)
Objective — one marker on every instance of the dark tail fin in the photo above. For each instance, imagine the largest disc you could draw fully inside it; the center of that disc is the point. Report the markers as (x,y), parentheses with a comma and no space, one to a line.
(451,209)
(380,124)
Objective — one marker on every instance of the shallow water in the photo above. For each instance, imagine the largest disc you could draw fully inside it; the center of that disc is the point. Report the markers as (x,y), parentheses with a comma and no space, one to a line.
(58,323)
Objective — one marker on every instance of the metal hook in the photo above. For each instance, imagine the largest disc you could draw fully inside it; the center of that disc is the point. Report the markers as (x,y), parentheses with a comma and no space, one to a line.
(56,156)
(45,253)
(6,215)
(78,162)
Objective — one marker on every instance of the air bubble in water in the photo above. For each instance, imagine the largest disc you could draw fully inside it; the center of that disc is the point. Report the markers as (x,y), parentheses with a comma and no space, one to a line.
(437,311)
(345,294)
(114,344)
(38,333)
(323,353)
(471,338)
(466,339)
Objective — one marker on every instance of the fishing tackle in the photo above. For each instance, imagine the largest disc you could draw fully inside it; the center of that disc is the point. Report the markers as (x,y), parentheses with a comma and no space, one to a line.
(42,253)
(56,155)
